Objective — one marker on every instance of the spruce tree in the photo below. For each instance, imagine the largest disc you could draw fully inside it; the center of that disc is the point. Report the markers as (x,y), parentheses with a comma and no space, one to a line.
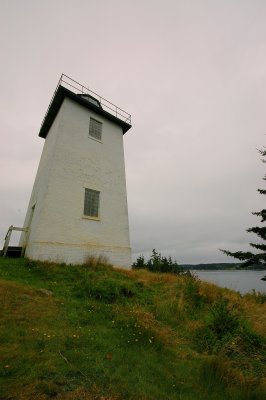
(250,258)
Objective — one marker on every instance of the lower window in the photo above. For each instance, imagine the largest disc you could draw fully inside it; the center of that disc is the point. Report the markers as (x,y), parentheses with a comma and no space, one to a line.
(91,203)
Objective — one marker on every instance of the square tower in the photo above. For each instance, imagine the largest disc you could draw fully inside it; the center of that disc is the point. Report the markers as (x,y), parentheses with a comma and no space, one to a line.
(78,205)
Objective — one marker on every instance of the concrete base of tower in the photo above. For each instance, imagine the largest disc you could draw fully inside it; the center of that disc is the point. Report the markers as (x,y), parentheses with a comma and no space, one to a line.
(78,254)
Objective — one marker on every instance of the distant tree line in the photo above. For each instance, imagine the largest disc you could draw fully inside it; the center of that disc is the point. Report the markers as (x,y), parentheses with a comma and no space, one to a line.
(159,263)
(212,266)
(223,266)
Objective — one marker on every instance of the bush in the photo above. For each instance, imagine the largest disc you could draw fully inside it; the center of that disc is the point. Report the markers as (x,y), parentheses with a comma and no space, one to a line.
(220,325)
(222,321)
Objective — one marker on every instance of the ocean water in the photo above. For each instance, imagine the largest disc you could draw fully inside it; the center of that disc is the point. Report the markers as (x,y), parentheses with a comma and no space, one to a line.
(239,280)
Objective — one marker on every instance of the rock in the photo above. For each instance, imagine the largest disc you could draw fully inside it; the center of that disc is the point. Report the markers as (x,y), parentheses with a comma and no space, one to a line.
(46,292)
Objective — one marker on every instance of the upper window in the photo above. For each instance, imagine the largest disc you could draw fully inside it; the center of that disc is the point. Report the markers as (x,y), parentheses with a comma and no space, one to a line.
(94,101)
(91,203)
(95,130)
(90,99)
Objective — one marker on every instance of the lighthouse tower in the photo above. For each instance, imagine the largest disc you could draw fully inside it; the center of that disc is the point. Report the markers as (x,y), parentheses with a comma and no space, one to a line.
(78,205)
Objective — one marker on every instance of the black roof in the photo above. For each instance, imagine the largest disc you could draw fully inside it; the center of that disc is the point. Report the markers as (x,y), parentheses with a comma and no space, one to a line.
(57,101)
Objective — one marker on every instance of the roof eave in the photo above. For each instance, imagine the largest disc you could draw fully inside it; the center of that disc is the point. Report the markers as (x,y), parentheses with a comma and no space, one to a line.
(57,101)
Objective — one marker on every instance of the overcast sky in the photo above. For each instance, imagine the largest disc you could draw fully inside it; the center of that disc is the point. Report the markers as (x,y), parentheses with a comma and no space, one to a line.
(193,75)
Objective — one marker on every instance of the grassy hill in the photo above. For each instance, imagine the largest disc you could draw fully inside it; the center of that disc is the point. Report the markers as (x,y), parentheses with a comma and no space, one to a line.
(92,332)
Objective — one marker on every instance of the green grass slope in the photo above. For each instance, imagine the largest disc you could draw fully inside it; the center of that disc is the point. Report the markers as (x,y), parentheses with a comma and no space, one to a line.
(93,332)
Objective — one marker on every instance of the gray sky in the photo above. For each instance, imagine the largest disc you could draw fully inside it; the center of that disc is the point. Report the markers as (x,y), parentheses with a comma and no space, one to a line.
(193,76)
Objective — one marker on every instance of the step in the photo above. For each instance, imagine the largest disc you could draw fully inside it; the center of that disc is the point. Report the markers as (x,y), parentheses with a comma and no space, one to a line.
(14,251)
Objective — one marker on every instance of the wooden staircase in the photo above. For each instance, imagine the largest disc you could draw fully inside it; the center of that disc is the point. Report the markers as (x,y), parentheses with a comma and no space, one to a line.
(12,251)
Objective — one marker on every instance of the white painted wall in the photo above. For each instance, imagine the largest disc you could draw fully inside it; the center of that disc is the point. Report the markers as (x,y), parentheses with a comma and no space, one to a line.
(71,161)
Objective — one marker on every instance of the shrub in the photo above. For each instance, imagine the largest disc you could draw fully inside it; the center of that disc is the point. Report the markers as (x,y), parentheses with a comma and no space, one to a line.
(222,321)
(139,263)
(225,330)
(219,327)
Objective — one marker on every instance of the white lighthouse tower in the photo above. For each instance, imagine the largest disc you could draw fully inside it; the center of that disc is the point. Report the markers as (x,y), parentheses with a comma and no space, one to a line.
(78,205)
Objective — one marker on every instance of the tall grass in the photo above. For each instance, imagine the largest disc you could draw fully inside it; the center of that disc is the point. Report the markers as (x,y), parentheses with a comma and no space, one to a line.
(110,334)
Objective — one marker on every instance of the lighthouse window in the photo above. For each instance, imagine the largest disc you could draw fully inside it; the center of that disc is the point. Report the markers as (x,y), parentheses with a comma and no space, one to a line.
(91,203)
(94,101)
(95,129)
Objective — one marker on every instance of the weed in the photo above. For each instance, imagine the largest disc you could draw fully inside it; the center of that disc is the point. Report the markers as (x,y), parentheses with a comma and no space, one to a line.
(192,292)
(216,371)
(259,297)
(96,261)
(217,375)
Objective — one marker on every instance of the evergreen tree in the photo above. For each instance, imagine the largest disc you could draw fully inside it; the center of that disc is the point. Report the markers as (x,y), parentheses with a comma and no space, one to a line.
(157,263)
(250,258)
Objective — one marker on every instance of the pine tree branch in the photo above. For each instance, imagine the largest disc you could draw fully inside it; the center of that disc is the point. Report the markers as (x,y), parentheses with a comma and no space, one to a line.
(249,258)
(240,255)
(260,231)
(259,246)
(261,214)
(263,153)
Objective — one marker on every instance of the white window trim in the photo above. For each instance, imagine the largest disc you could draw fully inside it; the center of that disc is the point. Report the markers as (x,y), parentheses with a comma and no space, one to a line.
(91,218)
(96,140)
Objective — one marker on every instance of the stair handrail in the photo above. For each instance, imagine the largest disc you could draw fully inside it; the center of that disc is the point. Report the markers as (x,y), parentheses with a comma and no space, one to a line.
(8,236)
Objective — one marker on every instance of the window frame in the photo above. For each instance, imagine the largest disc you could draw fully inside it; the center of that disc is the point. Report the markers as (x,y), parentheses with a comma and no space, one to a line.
(91,128)
(92,215)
